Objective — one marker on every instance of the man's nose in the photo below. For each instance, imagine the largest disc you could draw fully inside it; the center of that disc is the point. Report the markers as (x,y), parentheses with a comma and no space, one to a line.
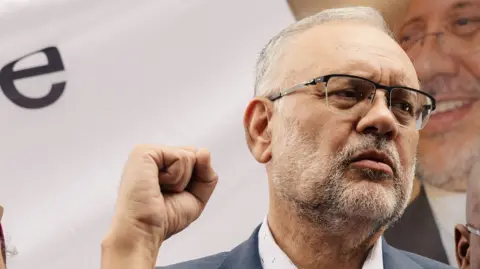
(379,120)
(432,59)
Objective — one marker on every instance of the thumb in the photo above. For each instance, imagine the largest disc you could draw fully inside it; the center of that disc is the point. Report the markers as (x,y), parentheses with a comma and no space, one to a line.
(204,178)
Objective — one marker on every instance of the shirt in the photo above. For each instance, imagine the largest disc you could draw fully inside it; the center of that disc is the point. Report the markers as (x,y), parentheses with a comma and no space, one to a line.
(272,257)
(449,209)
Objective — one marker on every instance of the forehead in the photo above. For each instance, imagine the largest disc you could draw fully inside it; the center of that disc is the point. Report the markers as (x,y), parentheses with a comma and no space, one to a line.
(436,9)
(347,47)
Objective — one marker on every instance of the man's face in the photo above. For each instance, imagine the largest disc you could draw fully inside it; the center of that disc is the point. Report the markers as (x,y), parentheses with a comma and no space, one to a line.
(313,147)
(442,38)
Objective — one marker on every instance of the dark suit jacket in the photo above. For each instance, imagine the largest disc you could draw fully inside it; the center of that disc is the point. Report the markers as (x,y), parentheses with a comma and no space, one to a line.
(245,256)
(417,231)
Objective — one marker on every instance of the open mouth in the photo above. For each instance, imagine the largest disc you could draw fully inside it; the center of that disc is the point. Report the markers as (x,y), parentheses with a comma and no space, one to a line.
(448,113)
(374,160)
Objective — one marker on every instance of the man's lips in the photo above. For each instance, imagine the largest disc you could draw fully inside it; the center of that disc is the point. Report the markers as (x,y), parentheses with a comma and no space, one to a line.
(448,113)
(375,160)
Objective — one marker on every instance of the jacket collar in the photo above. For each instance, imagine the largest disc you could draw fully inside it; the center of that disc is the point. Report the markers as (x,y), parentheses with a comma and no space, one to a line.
(394,258)
(246,255)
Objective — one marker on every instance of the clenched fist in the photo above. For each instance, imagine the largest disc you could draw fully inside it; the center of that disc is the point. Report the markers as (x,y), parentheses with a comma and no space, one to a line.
(163,190)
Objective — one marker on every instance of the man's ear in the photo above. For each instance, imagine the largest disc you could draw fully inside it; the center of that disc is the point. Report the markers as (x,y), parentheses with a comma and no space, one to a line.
(462,246)
(257,128)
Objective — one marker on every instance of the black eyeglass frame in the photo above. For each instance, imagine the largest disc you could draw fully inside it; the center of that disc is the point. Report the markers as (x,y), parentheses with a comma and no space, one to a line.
(324,79)
(473,230)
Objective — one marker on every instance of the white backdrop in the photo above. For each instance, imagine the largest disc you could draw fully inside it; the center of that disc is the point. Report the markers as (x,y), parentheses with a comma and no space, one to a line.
(165,72)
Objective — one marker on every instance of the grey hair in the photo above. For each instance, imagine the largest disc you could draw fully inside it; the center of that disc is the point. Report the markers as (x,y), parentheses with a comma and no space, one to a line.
(272,50)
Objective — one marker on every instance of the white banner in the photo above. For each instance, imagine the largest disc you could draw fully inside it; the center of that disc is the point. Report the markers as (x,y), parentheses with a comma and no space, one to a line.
(83,81)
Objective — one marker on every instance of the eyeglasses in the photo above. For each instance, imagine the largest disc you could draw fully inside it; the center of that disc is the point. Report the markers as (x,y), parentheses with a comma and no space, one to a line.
(456,37)
(349,94)
(447,43)
(473,230)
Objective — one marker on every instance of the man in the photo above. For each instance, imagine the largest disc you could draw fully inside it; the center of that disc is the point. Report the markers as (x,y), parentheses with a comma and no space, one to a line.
(467,237)
(442,39)
(417,230)
(339,151)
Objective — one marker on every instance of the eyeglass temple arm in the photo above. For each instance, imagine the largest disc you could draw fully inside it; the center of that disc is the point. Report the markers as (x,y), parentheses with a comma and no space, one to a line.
(295,88)
(473,230)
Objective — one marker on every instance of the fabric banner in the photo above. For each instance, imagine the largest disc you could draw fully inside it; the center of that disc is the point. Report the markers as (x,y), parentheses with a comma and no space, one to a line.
(84,81)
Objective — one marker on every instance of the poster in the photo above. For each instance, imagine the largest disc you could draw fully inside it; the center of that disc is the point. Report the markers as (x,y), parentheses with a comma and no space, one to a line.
(442,39)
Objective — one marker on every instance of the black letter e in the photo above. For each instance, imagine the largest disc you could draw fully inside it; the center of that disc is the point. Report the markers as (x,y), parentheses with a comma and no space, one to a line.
(8,76)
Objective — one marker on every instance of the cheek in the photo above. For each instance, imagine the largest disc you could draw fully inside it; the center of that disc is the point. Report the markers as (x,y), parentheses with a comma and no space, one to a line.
(312,121)
(332,134)
(407,143)
(475,251)
(471,63)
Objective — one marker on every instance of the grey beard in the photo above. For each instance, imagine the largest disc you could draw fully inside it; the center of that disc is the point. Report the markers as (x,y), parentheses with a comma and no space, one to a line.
(328,212)
(325,209)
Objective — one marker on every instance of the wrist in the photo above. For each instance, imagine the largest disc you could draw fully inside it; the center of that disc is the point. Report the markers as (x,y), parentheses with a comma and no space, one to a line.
(131,234)
(119,252)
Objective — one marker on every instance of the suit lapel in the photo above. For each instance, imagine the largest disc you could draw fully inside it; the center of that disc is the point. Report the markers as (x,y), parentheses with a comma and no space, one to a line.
(395,259)
(245,255)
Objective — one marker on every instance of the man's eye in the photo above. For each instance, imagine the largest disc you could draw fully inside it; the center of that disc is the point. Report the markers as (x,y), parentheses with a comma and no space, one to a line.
(405,38)
(409,37)
(462,21)
(348,93)
(404,107)
(466,26)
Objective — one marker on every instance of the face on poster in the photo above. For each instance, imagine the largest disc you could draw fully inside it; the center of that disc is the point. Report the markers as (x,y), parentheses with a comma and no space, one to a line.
(442,38)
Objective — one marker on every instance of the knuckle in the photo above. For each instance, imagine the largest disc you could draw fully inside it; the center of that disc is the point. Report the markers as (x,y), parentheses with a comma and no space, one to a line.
(190,148)
(144,153)
(191,157)
(140,150)
(184,158)
(215,177)
(187,156)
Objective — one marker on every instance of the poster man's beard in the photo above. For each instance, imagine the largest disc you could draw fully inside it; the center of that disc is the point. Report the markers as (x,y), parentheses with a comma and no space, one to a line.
(453,172)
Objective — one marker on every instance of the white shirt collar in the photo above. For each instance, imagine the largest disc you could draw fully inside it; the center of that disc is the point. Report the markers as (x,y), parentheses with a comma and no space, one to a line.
(272,257)
(445,205)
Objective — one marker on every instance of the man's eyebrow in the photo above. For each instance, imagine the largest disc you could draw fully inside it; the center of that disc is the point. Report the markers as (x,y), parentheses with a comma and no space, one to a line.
(413,20)
(461,5)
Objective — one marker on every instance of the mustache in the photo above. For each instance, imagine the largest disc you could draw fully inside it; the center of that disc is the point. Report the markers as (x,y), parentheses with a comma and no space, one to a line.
(447,84)
(370,142)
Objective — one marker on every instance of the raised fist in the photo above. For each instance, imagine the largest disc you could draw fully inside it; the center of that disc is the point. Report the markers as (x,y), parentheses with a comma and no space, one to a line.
(163,190)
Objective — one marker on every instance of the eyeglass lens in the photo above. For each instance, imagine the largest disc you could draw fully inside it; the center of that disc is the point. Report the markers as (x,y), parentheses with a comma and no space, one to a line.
(348,95)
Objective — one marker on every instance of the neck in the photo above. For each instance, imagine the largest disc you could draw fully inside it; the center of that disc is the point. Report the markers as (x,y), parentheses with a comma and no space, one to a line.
(308,245)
